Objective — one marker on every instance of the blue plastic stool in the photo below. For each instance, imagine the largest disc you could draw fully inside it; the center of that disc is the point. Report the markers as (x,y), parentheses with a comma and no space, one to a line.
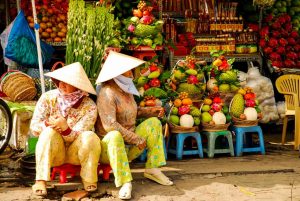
(211,149)
(180,138)
(143,156)
(240,133)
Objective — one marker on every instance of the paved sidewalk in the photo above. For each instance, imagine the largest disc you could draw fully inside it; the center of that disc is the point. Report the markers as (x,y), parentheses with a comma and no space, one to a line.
(274,176)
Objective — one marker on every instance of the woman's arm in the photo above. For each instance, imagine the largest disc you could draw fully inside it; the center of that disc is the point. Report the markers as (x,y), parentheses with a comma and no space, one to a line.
(147,112)
(40,115)
(86,123)
(107,112)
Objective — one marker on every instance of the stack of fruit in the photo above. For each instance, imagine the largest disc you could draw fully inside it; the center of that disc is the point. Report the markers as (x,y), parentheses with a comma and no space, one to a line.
(149,85)
(144,29)
(183,113)
(280,43)
(188,77)
(52,18)
(292,7)
(244,106)
(214,111)
(223,78)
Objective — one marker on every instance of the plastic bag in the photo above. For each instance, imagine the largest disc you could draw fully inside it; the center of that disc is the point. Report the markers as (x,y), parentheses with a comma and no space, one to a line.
(4,40)
(21,46)
(263,88)
(281,109)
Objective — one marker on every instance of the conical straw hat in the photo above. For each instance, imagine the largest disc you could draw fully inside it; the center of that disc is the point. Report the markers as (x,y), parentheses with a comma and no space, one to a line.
(117,64)
(74,75)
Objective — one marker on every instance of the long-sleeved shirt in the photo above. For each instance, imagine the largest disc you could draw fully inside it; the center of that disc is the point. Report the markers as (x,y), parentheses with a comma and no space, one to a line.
(81,117)
(117,111)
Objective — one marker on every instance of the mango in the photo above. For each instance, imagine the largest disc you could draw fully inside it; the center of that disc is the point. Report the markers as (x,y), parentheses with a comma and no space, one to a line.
(154,74)
(191,72)
(217,62)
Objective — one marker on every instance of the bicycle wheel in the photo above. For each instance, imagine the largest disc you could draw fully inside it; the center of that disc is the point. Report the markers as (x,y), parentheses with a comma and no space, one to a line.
(5,125)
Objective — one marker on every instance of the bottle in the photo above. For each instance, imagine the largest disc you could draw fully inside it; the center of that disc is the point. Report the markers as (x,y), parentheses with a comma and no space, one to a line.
(241,23)
(212,25)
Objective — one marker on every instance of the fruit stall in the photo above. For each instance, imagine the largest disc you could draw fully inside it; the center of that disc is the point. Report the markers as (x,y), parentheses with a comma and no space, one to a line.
(200,53)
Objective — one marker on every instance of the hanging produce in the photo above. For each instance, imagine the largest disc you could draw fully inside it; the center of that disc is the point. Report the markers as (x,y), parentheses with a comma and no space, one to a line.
(279,42)
(143,28)
(90,31)
(187,76)
(52,18)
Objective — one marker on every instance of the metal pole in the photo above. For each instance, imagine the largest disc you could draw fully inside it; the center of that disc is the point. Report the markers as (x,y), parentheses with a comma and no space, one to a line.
(18,5)
(38,46)
(7,5)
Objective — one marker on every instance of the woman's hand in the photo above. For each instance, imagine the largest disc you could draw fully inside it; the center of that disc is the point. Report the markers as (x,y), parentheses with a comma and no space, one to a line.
(142,145)
(58,123)
(161,112)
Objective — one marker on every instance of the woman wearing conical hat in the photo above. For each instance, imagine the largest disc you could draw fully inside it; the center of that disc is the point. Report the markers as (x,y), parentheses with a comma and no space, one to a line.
(118,112)
(64,119)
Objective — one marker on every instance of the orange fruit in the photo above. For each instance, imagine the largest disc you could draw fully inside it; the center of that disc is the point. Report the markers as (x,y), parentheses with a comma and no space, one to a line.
(43,25)
(31,24)
(57,39)
(49,24)
(207,101)
(60,25)
(64,30)
(49,30)
(216,88)
(61,34)
(187,101)
(45,19)
(30,19)
(49,40)
(45,35)
(177,102)
(53,35)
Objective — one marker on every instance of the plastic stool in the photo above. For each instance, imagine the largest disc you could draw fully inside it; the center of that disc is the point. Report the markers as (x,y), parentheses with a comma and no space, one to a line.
(73,170)
(180,138)
(143,156)
(240,133)
(211,140)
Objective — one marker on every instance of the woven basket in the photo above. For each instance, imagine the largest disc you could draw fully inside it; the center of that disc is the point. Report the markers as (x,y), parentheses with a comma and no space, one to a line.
(18,86)
(243,123)
(181,129)
(215,127)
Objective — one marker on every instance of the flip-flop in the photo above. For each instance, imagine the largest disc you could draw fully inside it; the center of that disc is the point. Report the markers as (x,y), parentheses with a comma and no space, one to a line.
(39,189)
(159,178)
(89,187)
(125,191)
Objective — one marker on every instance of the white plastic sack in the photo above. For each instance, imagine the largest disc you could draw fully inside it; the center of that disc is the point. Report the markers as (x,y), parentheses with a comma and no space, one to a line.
(4,40)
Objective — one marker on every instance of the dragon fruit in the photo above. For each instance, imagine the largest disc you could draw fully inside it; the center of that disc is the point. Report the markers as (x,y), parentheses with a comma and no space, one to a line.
(268,50)
(250,103)
(283,42)
(276,25)
(192,79)
(280,50)
(184,109)
(275,56)
(288,27)
(146,19)
(264,32)
(216,107)
(297,48)
(294,34)
(276,34)
(217,100)
(289,63)
(292,56)
(273,42)
(262,43)
(131,28)
(291,41)
(277,64)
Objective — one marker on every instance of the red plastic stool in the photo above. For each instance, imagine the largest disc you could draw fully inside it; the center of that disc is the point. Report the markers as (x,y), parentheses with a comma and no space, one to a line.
(143,52)
(73,170)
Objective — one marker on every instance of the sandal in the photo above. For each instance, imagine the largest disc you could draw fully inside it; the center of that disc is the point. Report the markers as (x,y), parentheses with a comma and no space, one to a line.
(125,191)
(39,189)
(159,177)
(89,187)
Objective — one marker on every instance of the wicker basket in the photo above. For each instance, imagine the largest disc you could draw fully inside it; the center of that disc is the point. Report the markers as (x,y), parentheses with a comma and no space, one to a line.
(18,86)
(215,127)
(180,129)
(243,123)
(227,97)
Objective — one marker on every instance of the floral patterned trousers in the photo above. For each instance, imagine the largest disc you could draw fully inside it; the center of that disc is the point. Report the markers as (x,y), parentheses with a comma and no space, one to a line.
(51,151)
(114,152)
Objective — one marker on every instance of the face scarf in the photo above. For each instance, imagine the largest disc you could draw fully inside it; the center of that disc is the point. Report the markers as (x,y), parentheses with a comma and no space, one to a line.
(126,84)
(67,101)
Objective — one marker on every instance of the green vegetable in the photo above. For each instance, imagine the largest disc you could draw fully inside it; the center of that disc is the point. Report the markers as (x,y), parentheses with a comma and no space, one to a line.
(157,92)
(14,106)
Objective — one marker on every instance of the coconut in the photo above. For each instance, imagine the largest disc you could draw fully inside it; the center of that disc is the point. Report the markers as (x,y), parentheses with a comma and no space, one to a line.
(186,120)
(251,113)
(211,83)
(219,118)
